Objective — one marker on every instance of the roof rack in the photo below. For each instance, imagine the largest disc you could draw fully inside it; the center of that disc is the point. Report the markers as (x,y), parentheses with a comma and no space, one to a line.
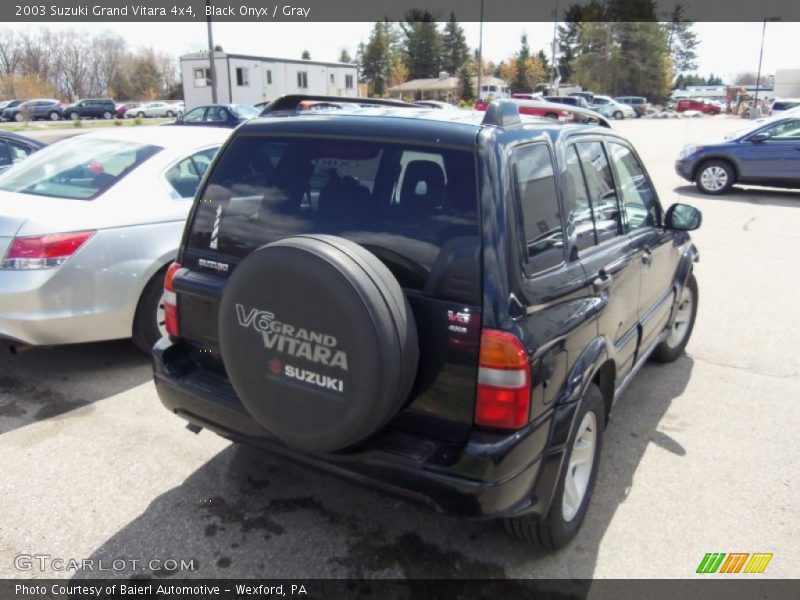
(290,102)
(502,113)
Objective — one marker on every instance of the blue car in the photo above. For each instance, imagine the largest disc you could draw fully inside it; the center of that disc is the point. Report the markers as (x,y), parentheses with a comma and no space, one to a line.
(218,115)
(767,153)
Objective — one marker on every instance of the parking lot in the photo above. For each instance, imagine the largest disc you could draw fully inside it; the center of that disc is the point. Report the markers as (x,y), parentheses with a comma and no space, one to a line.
(700,455)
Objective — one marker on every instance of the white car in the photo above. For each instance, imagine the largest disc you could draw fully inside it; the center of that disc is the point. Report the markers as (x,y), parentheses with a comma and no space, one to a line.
(88,227)
(155,109)
(610,108)
(781,105)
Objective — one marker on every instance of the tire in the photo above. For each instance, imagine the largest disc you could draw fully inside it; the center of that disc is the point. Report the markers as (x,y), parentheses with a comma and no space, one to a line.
(54,116)
(564,519)
(325,359)
(147,324)
(140,114)
(73,116)
(107,115)
(714,177)
(19,118)
(682,326)
(170,114)
(618,115)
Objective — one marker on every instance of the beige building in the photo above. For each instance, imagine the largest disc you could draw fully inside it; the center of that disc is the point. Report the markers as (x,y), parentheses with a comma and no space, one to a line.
(446,88)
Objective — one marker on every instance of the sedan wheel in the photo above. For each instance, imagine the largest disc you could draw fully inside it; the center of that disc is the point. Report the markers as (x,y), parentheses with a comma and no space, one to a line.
(714,177)
(140,114)
(618,115)
(107,115)
(74,116)
(170,114)
(54,116)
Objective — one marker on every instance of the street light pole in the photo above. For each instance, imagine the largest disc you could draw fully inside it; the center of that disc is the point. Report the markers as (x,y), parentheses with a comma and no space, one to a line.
(480,54)
(753,112)
(211,58)
(553,67)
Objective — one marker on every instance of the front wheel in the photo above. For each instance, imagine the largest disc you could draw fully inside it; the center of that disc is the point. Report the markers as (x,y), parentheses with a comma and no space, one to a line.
(107,115)
(54,116)
(140,114)
(714,177)
(19,118)
(575,483)
(149,324)
(618,115)
(680,330)
(170,114)
(73,116)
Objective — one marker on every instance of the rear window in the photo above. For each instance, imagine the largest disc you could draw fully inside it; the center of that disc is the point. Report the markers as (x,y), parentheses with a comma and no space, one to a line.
(76,169)
(785,105)
(413,207)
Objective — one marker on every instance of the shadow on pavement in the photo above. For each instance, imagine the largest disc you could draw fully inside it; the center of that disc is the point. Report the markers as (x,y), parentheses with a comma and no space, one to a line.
(747,195)
(47,382)
(249,514)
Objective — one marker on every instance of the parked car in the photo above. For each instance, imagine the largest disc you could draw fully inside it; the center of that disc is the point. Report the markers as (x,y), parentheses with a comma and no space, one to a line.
(9,104)
(534,108)
(15,148)
(443,308)
(702,105)
(154,109)
(123,107)
(95,108)
(578,101)
(34,109)
(436,104)
(783,104)
(638,103)
(218,115)
(87,228)
(588,96)
(765,154)
(610,108)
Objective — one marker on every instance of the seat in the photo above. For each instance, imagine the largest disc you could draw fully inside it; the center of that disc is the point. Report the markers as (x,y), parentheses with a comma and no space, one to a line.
(416,198)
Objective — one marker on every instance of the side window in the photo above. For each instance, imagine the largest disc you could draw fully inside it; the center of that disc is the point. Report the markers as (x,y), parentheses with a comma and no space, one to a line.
(541,215)
(185,176)
(18,151)
(194,115)
(5,157)
(602,194)
(786,131)
(580,225)
(217,114)
(638,197)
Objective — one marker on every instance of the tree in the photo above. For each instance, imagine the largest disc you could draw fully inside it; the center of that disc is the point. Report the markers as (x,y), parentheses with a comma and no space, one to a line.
(749,78)
(682,41)
(520,81)
(423,45)
(455,51)
(344,57)
(376,60)
(306,55)
(466,91)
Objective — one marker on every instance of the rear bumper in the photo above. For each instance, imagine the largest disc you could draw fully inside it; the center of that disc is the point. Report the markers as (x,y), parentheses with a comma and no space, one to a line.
(491,475)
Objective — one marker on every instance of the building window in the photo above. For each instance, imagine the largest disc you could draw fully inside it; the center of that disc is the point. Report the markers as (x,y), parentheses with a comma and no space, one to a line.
(333,79)
(202,77)
(302,80)
(348,82)
(269,77)
(241,76)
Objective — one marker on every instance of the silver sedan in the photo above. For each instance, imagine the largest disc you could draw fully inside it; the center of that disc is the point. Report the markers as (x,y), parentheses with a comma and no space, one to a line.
(87,229)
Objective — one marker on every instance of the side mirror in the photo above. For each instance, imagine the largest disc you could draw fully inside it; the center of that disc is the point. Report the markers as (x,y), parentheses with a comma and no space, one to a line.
(683,217)
(757,138)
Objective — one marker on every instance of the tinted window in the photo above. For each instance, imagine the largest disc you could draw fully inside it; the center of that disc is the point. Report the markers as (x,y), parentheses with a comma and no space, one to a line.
(541,215)
(186,175)
(78,168)
(788,130)
(600,184)
(5,155)
(195,115)
(18,151)
(580,226)
(638,197)
(415,208)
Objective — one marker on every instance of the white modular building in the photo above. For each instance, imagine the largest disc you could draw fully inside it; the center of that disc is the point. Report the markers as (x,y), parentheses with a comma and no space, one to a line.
(245,79)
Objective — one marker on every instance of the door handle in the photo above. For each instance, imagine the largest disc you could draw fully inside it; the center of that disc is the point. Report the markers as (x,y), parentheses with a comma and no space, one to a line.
(647,256)
(602,282)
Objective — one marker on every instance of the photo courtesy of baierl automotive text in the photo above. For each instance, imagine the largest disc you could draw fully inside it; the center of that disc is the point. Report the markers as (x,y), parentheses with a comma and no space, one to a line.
(344,299)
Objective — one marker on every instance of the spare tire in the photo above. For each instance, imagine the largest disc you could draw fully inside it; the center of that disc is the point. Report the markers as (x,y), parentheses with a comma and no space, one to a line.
(318,341)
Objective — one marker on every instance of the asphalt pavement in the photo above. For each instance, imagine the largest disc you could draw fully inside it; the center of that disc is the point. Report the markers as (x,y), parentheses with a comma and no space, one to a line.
(700,455)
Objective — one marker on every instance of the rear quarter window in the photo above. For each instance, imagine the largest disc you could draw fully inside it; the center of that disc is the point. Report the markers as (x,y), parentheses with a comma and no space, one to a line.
(414,207)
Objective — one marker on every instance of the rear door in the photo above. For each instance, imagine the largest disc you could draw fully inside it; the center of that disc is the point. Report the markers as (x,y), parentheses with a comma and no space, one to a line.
(611,262)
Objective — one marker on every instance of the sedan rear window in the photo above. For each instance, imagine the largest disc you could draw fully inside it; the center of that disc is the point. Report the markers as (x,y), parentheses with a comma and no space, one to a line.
(77,169)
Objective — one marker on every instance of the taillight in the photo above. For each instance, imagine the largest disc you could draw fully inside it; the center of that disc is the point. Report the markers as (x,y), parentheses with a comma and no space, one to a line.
(171,301)
(504,390)
(43,251)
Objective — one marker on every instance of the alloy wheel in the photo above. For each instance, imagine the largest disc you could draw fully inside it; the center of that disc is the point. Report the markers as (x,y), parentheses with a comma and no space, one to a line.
(579,470)
(714,178)
(683,318)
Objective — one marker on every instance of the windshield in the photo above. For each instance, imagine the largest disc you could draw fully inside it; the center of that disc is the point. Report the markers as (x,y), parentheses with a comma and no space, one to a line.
(245,112)
(76,169)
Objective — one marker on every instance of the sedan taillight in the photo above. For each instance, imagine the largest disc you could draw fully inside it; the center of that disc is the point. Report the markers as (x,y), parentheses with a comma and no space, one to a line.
(171,302)
(43,251)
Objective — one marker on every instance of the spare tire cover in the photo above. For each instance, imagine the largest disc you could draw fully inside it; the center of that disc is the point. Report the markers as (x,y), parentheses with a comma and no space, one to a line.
(318,341)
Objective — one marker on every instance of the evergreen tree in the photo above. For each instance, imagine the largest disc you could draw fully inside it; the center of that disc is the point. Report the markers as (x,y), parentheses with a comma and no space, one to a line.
(455,51)
(345,57)
(306,55)
(376,60)
(521,81)
(422,45)
(465,82)
(681,40)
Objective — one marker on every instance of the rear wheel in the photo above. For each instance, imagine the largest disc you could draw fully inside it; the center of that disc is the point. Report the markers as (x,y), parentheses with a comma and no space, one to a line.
(107,115)
(18,117)
(681,328)
(54,116)
(618,115)
(74,116)
(170,114)
(149,322)
(140,114)
(575,484)
(714,177)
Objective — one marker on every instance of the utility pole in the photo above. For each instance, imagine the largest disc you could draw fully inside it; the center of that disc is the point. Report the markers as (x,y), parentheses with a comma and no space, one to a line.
(754,112)
(553,67)
(211,58)
(480,54)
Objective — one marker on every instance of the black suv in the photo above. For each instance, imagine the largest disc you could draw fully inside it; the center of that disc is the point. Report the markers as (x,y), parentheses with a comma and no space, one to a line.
(437,305)
(94,108)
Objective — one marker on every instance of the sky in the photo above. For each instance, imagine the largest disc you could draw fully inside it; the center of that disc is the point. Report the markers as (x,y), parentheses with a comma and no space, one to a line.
(725,48)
